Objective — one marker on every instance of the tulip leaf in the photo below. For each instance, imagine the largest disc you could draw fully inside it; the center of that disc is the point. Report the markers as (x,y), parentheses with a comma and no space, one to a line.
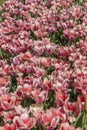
(53,55)
(32,15)
(33,36)
(1,121)
(85,121)
(50,70)
(23,1)
(79,120)
(58,37)
(13,84)
(51,101)
(37,127)
(73,94)
(26,102)
(4,54)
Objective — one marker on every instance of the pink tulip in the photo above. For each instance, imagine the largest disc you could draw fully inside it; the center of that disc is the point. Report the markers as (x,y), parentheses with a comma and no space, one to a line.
(55,122)
(24,122)
(7,101)
(66,126)
(61,98)
(72,107)
(45,62)
(10,127)
(39,96)
(46,119)
(4,80)
(2,128)
(47,84)
(27,89)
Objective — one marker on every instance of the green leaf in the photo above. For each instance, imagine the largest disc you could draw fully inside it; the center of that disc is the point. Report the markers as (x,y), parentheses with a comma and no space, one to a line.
(73,94)
(79,121)
(1,121)
(26,102)
(23,1)
(51,101)
(37,127)
(13,84)
(50,70)
(33,36)
(85,121)
(4,54)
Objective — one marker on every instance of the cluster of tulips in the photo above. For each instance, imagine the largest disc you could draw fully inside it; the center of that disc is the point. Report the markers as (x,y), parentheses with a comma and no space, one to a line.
(43,64)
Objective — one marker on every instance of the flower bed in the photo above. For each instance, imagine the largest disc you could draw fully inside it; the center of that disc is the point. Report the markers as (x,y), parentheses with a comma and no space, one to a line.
(43,65)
